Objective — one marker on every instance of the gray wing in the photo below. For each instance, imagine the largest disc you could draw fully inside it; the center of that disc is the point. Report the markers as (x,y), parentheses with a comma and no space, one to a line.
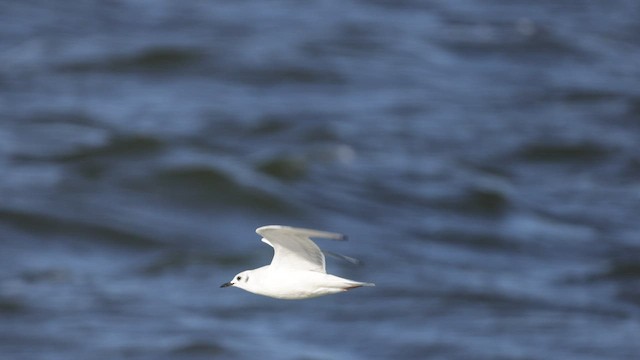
(293,247)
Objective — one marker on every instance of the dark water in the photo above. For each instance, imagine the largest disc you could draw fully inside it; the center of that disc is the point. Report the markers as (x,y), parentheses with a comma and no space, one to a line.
(484,158)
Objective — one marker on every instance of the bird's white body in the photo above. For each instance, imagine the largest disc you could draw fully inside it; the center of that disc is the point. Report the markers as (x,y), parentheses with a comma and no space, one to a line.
(294,284)
(297,270)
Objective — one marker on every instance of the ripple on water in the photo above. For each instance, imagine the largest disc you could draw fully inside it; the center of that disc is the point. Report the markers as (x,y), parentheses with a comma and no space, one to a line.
(199,348)
(284,167)
(51,226)
(154,59)
(11,306)
(203,185)
(565,153)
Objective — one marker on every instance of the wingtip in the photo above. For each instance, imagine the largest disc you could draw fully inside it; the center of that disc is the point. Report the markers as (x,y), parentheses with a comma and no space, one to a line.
(356,285)
(309,232)
(262,229)
(266,227)
(349,259)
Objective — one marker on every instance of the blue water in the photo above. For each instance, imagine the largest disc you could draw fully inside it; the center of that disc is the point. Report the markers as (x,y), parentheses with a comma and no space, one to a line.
(483,158)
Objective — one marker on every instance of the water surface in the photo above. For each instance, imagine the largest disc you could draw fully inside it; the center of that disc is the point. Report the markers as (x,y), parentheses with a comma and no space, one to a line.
(482,157)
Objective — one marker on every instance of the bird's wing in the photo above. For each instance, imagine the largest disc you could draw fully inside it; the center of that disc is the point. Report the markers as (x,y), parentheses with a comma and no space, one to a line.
(293,247)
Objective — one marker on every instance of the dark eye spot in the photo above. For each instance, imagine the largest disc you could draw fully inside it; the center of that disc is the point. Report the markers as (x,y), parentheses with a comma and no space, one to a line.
(239,278)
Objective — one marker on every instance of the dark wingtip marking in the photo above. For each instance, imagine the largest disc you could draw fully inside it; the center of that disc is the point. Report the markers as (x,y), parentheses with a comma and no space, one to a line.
(357,286)
(352,287)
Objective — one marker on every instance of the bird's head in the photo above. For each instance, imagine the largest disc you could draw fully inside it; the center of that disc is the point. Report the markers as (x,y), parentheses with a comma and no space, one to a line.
(241,280)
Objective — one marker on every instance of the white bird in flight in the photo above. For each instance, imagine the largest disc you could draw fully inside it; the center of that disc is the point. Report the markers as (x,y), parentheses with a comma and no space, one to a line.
(297,270)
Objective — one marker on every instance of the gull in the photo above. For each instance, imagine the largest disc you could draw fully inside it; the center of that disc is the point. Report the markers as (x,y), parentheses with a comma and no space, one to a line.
(297,270)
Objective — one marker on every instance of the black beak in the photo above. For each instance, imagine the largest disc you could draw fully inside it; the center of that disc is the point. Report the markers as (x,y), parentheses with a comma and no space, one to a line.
(226,284)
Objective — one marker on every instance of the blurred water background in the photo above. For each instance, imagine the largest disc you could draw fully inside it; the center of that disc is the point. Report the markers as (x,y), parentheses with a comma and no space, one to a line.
(483,157)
